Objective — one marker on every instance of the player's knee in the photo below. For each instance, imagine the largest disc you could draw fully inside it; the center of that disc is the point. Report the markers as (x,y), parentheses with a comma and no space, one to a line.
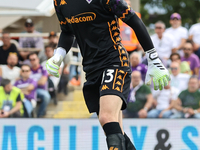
(106,117)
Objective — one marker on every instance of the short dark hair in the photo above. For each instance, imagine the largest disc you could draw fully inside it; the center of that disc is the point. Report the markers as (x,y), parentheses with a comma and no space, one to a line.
(52,45)
(32,53)
(175,54)
(49,45)
(190,41)
(5,32)
(4,82)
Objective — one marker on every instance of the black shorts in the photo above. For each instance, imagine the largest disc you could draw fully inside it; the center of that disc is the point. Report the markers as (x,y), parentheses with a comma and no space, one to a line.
(111,81)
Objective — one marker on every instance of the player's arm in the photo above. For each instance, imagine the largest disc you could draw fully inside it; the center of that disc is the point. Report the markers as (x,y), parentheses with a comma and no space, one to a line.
(127,15)
(155,67)
(66,36)
(64,44)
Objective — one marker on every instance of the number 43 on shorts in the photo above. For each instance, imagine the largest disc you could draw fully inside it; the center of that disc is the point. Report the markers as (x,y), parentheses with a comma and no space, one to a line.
(113,79)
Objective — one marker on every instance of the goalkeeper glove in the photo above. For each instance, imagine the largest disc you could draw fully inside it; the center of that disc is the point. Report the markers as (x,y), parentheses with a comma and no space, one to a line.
(156,70)
(53,64)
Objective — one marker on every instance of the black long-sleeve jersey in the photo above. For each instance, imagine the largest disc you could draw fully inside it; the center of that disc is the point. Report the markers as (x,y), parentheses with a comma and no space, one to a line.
(95,25)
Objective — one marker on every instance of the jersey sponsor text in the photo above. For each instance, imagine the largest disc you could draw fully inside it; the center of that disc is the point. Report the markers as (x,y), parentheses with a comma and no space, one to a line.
(83,17)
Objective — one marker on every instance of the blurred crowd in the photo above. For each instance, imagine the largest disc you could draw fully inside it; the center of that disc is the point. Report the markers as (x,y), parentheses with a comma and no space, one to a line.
(179,50)
(27,88)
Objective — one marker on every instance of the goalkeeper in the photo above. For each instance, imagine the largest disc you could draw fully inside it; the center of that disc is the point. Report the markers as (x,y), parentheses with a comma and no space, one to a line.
(105,60)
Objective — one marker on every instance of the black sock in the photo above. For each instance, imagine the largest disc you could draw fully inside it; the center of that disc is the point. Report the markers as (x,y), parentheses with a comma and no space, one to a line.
(128,143)
(112,128)
(114,137)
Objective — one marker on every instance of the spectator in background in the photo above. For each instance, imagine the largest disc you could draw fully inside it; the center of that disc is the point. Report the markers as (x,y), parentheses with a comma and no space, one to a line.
(179,33)
(49,51)
(178,80)
(163,42)
(10,71)
(164,100)
(6,48)
(184,66)
(53,39)
(28,87)
(140,99)
(188,102)
(40,75)
(23,59)
(194,35)
(136,65)
(32,42)
(10,100)
(191,58)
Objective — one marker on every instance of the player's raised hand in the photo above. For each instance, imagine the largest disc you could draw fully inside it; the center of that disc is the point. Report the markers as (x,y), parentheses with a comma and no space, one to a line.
(53,65)
(156,70)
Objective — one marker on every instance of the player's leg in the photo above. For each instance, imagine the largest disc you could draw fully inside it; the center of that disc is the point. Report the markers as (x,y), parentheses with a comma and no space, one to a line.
(120,121)
(128,143)
(110,106)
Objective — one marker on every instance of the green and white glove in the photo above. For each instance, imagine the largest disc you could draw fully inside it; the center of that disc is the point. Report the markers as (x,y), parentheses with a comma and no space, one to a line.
(156,70)
(53,64)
